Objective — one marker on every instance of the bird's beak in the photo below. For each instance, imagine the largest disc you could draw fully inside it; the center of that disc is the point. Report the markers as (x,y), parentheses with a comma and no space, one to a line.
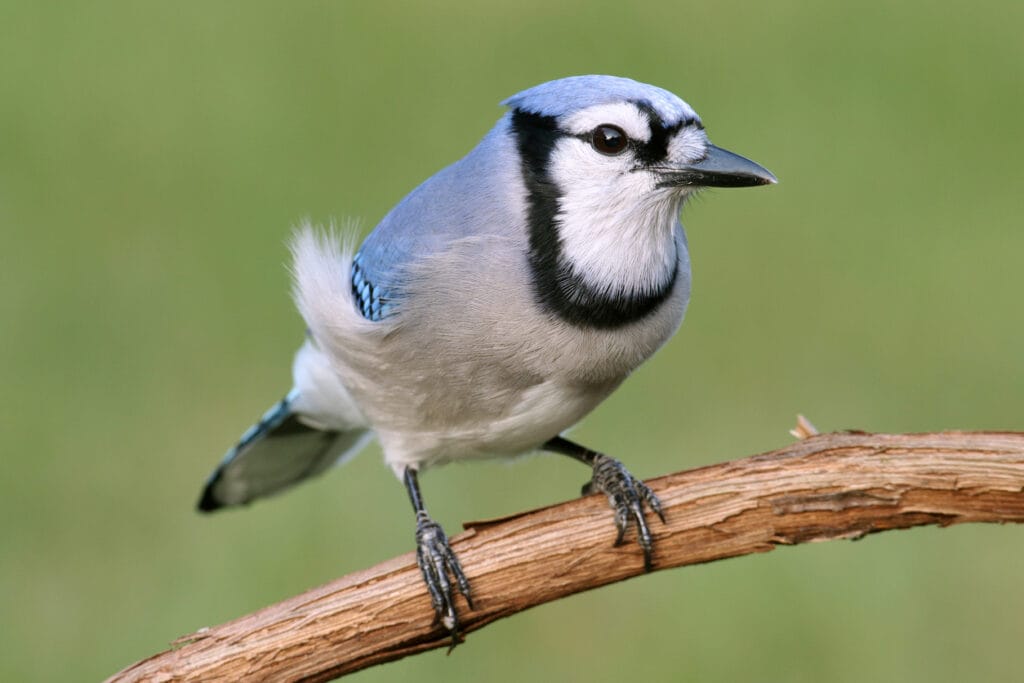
(719,168)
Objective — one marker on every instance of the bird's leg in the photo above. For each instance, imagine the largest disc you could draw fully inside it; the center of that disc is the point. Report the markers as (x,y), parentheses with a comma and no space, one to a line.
(436,561)
(626,494)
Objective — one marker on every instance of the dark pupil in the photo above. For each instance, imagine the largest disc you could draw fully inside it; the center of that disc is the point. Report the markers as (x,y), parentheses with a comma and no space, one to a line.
(609,139)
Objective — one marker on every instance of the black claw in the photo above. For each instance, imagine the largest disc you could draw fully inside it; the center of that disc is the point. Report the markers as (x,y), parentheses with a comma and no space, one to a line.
(627,495)
(651,499)
(436,561)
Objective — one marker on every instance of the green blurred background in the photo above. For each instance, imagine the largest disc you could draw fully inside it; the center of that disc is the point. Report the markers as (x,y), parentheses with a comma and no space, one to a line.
(154,156)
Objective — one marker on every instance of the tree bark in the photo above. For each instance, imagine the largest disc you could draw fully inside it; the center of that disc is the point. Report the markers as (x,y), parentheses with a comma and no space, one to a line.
(829,486)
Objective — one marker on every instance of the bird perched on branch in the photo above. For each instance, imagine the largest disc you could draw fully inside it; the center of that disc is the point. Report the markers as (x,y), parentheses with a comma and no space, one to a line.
(495,306)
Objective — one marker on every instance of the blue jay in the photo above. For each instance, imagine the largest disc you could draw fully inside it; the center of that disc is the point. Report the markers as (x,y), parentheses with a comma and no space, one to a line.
(495,306)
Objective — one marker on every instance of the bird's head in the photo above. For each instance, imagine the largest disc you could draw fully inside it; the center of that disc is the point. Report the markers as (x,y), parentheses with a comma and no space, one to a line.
(607,163)
(605,133)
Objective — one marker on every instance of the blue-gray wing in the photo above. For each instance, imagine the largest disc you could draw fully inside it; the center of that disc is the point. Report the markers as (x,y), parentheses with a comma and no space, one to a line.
(476,196)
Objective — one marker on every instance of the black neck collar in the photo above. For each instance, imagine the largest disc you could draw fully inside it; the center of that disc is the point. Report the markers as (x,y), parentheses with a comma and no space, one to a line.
(556,285)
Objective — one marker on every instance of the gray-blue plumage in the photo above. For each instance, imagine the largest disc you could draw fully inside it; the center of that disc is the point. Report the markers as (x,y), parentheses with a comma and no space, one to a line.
(566,95)
(480,192)
(311,450)
(497,304)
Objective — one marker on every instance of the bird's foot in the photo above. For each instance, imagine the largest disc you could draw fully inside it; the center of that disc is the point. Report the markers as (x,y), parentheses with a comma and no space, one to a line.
(436,561)
(627,496)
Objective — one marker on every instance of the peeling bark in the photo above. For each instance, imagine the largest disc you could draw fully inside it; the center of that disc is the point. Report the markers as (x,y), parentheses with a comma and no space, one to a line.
(829,486)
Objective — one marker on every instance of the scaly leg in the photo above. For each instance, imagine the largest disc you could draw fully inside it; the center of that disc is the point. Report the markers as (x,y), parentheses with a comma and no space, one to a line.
(436,561)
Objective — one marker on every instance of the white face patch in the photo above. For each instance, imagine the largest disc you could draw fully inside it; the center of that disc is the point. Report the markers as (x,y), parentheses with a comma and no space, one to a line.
(617,228)
(687,146)
(625,115)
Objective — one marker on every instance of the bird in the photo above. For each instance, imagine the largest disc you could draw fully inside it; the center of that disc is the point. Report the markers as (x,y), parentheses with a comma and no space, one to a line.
(494,307)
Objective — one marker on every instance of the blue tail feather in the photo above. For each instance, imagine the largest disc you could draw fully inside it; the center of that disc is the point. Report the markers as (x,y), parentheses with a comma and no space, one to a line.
(277,452)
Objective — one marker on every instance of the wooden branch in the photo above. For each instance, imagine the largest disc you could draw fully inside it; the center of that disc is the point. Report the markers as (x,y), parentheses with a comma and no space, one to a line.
(824,487)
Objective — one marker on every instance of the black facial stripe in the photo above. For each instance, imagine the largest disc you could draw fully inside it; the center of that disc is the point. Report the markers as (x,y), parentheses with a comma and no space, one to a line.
(655,150)
(556,286)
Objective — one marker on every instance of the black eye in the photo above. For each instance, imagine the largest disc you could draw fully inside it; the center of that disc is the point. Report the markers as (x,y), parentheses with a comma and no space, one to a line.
(609,139)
